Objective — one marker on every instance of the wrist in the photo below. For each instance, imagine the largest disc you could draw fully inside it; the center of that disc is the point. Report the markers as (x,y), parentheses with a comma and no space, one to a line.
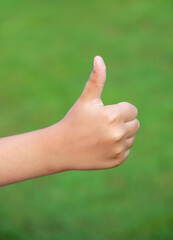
(53,148)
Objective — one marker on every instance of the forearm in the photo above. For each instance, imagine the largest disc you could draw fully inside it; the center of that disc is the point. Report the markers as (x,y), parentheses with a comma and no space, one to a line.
(25,156)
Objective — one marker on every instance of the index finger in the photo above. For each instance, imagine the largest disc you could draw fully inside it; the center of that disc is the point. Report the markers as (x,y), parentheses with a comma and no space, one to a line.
(128,111)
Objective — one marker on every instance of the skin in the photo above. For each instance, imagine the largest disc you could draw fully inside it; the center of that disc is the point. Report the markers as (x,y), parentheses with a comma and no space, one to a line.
(91,136)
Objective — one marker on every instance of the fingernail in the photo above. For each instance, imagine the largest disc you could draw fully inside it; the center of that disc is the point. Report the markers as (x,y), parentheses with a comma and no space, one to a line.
(94,64)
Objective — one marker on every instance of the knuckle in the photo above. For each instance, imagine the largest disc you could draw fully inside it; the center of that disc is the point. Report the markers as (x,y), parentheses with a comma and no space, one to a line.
(109,117)
(130,142)
(119,135)
(112,113)
(117,115)
(112,165)
(128,105)
(119,150)
(125,104)
(115,163)
(119,162)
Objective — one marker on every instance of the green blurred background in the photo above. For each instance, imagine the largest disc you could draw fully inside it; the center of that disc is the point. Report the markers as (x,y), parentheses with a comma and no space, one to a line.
(46,54)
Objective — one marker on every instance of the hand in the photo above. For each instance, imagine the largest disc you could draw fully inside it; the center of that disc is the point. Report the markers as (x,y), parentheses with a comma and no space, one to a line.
(94,136)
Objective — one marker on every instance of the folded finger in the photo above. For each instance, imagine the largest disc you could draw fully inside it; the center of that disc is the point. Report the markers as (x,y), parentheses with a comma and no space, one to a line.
(127,110)
(132,128)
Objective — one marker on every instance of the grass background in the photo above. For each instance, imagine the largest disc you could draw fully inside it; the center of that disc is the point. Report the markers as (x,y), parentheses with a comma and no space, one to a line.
(46,53)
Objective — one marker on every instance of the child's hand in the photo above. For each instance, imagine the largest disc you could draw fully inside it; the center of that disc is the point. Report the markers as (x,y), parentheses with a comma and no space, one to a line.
(93,136)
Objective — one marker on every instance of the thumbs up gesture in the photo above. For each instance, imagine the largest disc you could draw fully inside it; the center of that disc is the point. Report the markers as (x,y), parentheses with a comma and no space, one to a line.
(93,136)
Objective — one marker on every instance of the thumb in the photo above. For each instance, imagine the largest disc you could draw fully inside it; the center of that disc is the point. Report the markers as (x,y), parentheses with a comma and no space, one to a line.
(95,84)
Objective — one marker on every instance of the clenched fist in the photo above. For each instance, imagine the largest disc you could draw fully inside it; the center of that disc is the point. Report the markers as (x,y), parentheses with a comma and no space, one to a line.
(91,135)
